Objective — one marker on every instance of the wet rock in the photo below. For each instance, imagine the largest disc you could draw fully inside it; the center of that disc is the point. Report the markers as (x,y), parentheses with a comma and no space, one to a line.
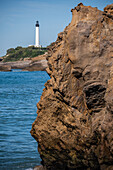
(74,124)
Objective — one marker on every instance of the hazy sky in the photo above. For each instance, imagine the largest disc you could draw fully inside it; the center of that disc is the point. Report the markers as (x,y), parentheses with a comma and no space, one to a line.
(18,17)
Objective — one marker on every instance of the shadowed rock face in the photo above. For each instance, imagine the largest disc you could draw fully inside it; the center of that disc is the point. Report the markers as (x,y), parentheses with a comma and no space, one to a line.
(74,126)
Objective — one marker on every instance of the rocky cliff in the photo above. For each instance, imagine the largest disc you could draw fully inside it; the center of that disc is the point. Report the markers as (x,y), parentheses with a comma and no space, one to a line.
(74,124)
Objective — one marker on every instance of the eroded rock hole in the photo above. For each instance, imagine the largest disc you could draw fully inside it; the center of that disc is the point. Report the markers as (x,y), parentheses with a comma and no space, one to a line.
(95,96)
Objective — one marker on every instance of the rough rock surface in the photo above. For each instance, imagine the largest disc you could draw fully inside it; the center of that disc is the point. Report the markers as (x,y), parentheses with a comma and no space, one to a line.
(74,125)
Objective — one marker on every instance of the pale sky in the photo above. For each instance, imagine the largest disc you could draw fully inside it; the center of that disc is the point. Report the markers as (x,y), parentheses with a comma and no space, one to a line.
(18,17)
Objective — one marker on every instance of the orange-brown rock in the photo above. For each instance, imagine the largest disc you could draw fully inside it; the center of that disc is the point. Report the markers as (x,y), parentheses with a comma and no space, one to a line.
(74,125)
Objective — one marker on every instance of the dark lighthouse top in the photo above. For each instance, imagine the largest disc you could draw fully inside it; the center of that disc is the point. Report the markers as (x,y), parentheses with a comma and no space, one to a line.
(37,24)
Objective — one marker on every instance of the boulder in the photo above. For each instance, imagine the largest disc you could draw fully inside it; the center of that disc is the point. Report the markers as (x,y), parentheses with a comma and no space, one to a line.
(74,124)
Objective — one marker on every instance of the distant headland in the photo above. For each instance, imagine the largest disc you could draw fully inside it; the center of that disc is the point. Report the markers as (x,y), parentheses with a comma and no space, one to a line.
(30,58)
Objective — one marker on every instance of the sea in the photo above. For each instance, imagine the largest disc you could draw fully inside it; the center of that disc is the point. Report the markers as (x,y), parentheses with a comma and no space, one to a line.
(19,93)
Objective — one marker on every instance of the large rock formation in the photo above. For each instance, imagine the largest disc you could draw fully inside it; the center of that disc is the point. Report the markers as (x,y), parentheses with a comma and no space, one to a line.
(74,126)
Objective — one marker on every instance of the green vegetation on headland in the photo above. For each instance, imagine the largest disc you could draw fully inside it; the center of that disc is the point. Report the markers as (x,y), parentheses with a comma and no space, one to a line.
(19,53)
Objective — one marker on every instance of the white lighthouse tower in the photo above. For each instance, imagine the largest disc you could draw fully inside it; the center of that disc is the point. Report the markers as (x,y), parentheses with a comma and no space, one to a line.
(37,35)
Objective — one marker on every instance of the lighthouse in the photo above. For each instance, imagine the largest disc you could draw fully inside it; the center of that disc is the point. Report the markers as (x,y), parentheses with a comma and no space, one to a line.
(37,35)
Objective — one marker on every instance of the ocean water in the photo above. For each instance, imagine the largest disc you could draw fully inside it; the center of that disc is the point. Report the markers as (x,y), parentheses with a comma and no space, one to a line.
(19,94)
